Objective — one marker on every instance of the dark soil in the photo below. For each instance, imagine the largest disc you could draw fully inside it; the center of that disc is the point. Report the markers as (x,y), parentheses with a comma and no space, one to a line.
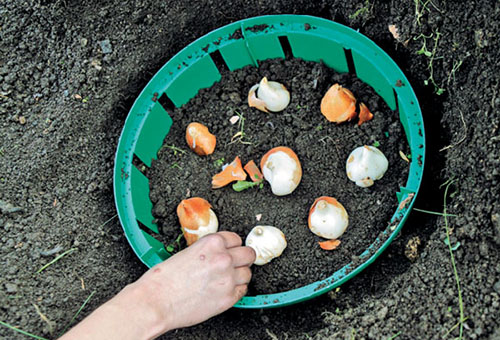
(70,71)
(321,146)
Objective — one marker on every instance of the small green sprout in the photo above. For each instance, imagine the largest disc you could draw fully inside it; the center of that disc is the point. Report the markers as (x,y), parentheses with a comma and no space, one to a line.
(363,11)
(176,165)
(86,99)
(174,245)
(319,127)
(240,135)
(219,162)
(376,144)
(175,149)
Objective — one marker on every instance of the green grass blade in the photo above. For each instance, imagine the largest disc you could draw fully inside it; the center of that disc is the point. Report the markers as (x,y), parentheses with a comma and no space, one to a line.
(69,251)
(434,212)
(22,332)
(394,336)
(77,313)
(452,257)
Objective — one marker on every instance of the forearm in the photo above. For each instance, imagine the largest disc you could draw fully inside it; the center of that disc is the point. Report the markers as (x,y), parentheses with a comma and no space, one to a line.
(129,315)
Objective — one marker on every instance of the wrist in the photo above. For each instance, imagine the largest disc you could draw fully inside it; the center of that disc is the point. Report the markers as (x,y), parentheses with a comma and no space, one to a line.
(138,301)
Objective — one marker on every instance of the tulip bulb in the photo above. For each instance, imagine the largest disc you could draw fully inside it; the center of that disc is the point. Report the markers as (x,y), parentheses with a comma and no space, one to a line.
(268,96)
(328,218)
(338,104)
(196,219)
(268,243)
(365,165)
(199,139)
(281,168)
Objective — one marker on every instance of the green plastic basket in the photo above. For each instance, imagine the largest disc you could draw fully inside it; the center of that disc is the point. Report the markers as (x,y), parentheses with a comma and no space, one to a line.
(243,43)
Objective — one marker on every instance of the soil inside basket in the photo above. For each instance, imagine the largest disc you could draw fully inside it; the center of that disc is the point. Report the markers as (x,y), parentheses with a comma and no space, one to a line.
(322,148)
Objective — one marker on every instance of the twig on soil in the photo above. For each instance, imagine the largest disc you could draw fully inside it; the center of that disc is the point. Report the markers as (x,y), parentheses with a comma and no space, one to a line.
(50,324)
(77,313)
(271,334)
(452,257)
(453,328)
(22,332)
(69,251)
(461,139)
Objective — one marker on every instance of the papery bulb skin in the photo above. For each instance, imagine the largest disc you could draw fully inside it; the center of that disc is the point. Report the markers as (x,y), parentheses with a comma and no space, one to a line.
(338,104)
(364,114)
(199,139)
(268,242)
(365,165)
(230,173)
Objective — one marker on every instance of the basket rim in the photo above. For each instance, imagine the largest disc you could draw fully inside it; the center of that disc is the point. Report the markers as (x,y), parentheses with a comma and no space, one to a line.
(405,100)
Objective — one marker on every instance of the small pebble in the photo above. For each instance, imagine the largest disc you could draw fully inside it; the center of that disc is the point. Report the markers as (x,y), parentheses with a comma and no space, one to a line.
(105,46)
(10,288)
(8,208)
(496,287)
(382,313)
(52,251)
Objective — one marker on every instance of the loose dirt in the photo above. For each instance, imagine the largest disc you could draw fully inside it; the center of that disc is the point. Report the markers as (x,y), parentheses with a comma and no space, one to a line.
(70,71)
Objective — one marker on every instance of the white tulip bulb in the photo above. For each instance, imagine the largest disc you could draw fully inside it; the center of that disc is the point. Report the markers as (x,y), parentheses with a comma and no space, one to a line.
(268,95)
(328,218)
(268,243)
(281,168)
(365,165)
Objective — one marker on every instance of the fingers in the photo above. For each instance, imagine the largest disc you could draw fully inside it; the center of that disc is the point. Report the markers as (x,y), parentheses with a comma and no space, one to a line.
(240,291)
(230,239)
(242,276)
(242,256)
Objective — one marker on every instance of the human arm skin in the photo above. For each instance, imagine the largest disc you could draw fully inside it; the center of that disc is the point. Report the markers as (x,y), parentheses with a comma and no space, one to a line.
(199,282)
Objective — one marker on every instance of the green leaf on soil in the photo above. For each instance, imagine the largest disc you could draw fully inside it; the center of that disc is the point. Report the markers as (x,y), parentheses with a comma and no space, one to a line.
(243,185)
(376,144)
